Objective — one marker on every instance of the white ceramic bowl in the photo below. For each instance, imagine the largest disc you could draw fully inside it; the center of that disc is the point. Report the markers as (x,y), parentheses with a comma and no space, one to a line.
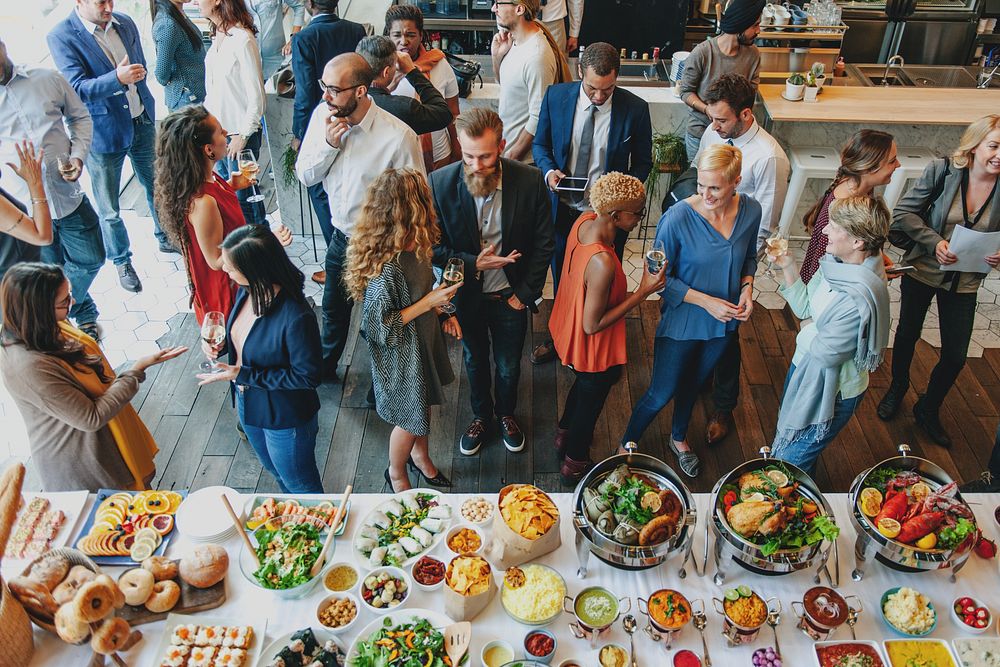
(496,643)
(425,587)
(968,628)
(466,526)
(334,566)
(397,574)
(485,522)
(329,599)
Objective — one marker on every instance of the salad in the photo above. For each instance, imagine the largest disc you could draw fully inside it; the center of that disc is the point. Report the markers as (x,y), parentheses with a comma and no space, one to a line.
(415,644)
(286,554)
(402,528)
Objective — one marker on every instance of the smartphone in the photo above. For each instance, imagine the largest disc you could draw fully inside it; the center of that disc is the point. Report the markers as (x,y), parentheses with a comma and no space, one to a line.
(895,268)
(573,184)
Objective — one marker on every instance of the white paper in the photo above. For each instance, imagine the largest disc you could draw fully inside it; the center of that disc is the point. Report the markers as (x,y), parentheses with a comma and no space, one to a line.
(971,247)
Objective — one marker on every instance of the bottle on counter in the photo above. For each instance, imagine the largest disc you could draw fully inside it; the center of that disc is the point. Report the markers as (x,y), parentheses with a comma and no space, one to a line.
(635,55)
(656,53)
(840,68)
(623,55)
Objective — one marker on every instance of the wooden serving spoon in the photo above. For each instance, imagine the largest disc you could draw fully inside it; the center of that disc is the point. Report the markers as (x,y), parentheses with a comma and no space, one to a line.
(456,641)
(239,530)
(337,518)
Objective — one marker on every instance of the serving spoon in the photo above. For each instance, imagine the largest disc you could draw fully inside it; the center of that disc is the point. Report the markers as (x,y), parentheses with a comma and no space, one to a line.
(700,621)
(630,624)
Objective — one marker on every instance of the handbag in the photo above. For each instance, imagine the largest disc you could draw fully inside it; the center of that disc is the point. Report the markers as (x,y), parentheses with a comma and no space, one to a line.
(466,72)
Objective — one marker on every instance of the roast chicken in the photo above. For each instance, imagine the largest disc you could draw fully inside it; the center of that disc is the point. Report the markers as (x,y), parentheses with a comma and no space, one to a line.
(764,517)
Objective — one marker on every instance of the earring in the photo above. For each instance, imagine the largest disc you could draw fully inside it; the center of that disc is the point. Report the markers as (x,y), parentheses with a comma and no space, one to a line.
(211,156)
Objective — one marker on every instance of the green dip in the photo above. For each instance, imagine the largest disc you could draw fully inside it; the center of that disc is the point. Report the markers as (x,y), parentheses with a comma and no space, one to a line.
(596,607)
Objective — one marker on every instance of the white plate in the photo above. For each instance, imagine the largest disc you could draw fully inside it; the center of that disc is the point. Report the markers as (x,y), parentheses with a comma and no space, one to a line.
(832,642)
(793,99)
(437,620)
(885,647)
(992,641)
(360,556)
(322,636)
(69,502)
(202,515)
(173,620)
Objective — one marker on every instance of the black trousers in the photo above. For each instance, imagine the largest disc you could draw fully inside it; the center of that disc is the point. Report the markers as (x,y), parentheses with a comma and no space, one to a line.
(726,385)
(584,404)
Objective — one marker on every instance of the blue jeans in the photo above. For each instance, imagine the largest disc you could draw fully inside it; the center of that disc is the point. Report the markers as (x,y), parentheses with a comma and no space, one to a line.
(691,145)
(106,177)
(680,367)
(253,213)
(804,450)
(492,321)
(77,246)
(337,304)
(287,453)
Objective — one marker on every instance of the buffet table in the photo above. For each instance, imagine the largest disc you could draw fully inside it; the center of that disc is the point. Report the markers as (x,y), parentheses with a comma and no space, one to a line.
(245,604)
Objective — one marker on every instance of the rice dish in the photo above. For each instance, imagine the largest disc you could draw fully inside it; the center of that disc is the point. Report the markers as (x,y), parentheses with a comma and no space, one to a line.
(978,651)
(539,598)
(909,611)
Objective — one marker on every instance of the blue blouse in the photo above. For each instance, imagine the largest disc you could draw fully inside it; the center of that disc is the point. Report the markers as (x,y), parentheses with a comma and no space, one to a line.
(700,258)
(180,68)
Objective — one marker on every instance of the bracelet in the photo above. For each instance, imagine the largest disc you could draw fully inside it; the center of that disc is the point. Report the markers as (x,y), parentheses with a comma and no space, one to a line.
(748,283)
(39,201)
(444,317)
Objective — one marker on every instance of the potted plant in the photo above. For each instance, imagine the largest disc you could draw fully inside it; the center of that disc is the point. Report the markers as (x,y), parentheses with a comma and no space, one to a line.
(818,71)
(794,86)
(812,88)
(669,157)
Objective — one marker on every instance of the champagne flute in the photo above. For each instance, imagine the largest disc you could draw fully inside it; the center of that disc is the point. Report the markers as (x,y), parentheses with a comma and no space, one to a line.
(655,257)
(213,332)
(453,275)
(249,167)
(777,246)
(67,168)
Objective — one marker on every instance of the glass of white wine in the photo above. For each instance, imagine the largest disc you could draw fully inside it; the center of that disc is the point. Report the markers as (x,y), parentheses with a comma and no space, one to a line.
(249,168)
(453,275)
(656,256)
(213,332)
(67,168)
(777,246)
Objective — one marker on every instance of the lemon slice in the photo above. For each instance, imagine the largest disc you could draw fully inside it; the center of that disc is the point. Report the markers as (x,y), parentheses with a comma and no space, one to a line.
(141,550)
(928,541)
(779,478)
(919,491)
(149,533)
(755,497)
(889,527)
(651,501)
(870,501)
(175,500)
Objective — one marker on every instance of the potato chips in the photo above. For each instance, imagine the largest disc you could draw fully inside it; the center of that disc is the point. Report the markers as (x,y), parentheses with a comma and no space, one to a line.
(468,575)
(528,511)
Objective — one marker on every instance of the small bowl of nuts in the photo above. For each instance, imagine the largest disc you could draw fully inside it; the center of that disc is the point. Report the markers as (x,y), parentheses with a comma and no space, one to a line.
(477,511)
(338,612)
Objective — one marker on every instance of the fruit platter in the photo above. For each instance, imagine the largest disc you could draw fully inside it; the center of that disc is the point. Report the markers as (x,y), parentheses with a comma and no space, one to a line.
(124,528)
(402,528)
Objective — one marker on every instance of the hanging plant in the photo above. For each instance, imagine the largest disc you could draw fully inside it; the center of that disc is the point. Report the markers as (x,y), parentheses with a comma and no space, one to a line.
(288,159)
(668,151)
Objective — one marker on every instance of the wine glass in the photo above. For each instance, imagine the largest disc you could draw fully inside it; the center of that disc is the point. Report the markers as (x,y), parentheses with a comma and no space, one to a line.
(249,167)
(213,332)
(777,246)
(67,168)
(453,275)
(655,257)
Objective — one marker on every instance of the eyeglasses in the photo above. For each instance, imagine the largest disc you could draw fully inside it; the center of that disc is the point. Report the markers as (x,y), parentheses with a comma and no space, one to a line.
(497,3)
(638,214)
(333,90)
(65,303)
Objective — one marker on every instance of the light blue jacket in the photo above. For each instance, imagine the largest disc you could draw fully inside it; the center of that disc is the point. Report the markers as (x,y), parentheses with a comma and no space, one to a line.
(267,16)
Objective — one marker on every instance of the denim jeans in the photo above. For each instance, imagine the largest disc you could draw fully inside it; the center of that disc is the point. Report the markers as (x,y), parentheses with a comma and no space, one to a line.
(691,145)
(805,450)
(287,453)
(492,321)
(679,369)
(956,312)
(77,246)
(726,386)
(584,404)
(321,205)
(337,305)
(106,177)
(253,212)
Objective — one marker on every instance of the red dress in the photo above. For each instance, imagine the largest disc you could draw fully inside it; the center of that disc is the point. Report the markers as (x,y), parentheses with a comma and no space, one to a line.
(212,289)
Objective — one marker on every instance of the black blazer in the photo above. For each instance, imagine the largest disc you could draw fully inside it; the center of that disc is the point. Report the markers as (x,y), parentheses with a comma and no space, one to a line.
(525,222)
(429,113)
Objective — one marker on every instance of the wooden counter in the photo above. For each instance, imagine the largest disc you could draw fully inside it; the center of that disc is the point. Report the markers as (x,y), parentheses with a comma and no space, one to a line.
(863,105)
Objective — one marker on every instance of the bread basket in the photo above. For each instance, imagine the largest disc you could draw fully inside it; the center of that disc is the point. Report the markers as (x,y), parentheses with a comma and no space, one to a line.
(15,628)
(73,557)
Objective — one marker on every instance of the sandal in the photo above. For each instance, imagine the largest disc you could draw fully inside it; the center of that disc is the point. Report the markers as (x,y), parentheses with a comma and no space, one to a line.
(689,462)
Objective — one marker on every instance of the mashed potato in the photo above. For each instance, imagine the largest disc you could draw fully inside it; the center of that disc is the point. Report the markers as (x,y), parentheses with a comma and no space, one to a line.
(539,598)
(909,611)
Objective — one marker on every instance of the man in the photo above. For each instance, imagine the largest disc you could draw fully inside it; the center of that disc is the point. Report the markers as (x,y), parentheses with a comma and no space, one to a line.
(349,141)
(526,65)
(39,105)
(100,55)
(585,129)
(764,177)
(731,52)
(495,216)
(554,16)
(325,38)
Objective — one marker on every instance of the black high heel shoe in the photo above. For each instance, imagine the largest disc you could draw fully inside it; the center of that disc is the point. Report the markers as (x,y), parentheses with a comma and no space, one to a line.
(438,480)
(388,480)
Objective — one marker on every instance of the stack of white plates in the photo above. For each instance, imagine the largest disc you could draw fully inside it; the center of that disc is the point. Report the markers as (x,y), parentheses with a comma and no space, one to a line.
(677,64)
(202,517)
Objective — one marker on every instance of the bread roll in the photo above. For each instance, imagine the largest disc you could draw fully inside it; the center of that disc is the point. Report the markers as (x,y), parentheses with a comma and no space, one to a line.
(206,566)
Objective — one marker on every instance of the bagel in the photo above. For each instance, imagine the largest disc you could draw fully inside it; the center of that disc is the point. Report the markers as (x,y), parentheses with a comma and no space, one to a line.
(161,567)
(137,585)
(34,596)
(119,596)
(78,575)
(49,570)
(164,597)
(69,626)
(111,636)
(94,601)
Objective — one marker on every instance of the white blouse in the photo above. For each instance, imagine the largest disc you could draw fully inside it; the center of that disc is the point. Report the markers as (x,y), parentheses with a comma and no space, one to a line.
(234,81)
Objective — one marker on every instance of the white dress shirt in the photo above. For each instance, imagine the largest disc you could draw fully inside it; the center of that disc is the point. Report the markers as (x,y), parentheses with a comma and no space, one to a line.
(442,76)
(378,142)
(234,81)
(557,9)
(765,172)
(491,232)
(111,43)
(33,106)
(598,150)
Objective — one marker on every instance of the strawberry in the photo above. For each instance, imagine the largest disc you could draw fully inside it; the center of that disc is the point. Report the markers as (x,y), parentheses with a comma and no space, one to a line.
(985,547)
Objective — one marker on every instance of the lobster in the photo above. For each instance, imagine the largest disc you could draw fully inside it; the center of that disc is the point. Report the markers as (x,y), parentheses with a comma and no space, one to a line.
(894,506)
(919,526)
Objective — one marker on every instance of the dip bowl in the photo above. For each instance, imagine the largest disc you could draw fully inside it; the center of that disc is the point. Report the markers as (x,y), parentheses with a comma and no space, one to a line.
(595,609)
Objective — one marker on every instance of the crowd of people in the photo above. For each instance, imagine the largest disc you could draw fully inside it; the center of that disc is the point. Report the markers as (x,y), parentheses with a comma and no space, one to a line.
(442,223)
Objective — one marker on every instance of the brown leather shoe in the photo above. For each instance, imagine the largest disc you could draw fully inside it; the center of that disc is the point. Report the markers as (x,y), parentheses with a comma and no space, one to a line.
(718,426)
(319,277)
(562,435)
(543,353)
(572,471)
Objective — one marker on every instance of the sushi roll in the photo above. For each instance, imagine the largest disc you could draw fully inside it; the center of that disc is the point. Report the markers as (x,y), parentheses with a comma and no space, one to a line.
(371,532)
(409,501)
(286,658)
(377,556)
(397,553)
(432,525)
(325,659)
(410,545)
(380,519)
(391,507)
(365,544)
(421,535)
(184,635)
(439,512)
(307,640)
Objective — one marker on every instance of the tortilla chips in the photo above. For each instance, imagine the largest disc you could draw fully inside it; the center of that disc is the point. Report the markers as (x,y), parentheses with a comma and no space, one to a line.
(528,511)
(468,575)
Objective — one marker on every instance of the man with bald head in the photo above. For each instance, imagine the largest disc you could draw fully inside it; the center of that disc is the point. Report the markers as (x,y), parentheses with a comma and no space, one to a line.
(348,143)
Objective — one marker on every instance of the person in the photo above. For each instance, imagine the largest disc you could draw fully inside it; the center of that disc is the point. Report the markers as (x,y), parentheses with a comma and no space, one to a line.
(234,87)
(867,160)
(273,353)
(326,37)
(495,217)
(764,177)
(989,479)
(848,303)
(731,52)
(20,233)
(269,18)
(960,191)
(83,431)
(526,61)
(349,141)
(389,267)
(180,54)
(587,321)
(585,129)
(710,241)
(100,53)
(404,24)
(554,16)
(39,105)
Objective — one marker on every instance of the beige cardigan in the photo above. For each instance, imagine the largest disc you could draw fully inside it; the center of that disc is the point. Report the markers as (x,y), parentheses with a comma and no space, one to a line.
(71,445)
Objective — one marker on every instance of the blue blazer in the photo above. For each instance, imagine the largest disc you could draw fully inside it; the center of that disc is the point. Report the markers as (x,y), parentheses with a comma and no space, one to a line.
(82,61)
(280,369)
(630,138)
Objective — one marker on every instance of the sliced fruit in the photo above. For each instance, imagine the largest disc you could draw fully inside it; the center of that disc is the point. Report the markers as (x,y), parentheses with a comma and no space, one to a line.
(162,523)
(157,503)
(919,491)
(779,478)
(732,595)
(140,551)
(651,501)
(744,591)
(103,526)
(871,501)
(928,541)
(149,533)
(253,524)
(175,500)
(754,497)
(889,527)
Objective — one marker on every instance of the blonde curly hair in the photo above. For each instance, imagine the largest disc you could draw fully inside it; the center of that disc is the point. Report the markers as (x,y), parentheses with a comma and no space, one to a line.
(614,190)
(397,216)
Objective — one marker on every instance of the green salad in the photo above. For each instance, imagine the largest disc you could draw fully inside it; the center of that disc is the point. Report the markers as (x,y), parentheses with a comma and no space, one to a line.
(286,555)
(415,644)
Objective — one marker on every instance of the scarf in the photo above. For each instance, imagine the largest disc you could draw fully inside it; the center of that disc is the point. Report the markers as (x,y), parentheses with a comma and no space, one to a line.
(563,73)
(135,444)
(428,59)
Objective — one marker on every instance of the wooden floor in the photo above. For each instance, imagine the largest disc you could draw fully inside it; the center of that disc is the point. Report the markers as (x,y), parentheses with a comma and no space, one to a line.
(199,444)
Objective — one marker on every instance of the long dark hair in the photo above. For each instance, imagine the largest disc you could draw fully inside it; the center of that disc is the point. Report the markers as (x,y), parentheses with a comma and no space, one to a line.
(234,14)
(28,300)
(189,28)
(256,253)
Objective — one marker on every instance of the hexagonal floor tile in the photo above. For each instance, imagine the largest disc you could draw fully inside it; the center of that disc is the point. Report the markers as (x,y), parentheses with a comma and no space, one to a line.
(151,331)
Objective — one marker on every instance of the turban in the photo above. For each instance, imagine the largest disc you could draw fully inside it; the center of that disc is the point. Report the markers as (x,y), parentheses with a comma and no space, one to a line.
(740,15)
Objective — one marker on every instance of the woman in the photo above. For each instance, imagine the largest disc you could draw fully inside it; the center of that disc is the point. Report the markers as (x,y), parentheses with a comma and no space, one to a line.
(868,160)
(272,340)
(960,191)
(848,302)
(269,17)
(587,321)
(234,88)
(710,243)
(180,54)
(389,266)
(84,432)
(404,24)
(21,234)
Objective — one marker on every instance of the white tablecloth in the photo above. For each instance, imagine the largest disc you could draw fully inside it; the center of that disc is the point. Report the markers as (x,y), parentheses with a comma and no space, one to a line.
(245,604)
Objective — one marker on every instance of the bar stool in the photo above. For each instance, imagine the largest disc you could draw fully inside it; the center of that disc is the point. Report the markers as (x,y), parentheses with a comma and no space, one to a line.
(806,162)
(912,162)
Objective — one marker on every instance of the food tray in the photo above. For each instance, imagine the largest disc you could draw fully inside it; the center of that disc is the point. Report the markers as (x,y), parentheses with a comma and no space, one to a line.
(363,560)
(173,620)
(943,644)
(305,501)
(70,503)
(120,560)
(873,645)
(321,633)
